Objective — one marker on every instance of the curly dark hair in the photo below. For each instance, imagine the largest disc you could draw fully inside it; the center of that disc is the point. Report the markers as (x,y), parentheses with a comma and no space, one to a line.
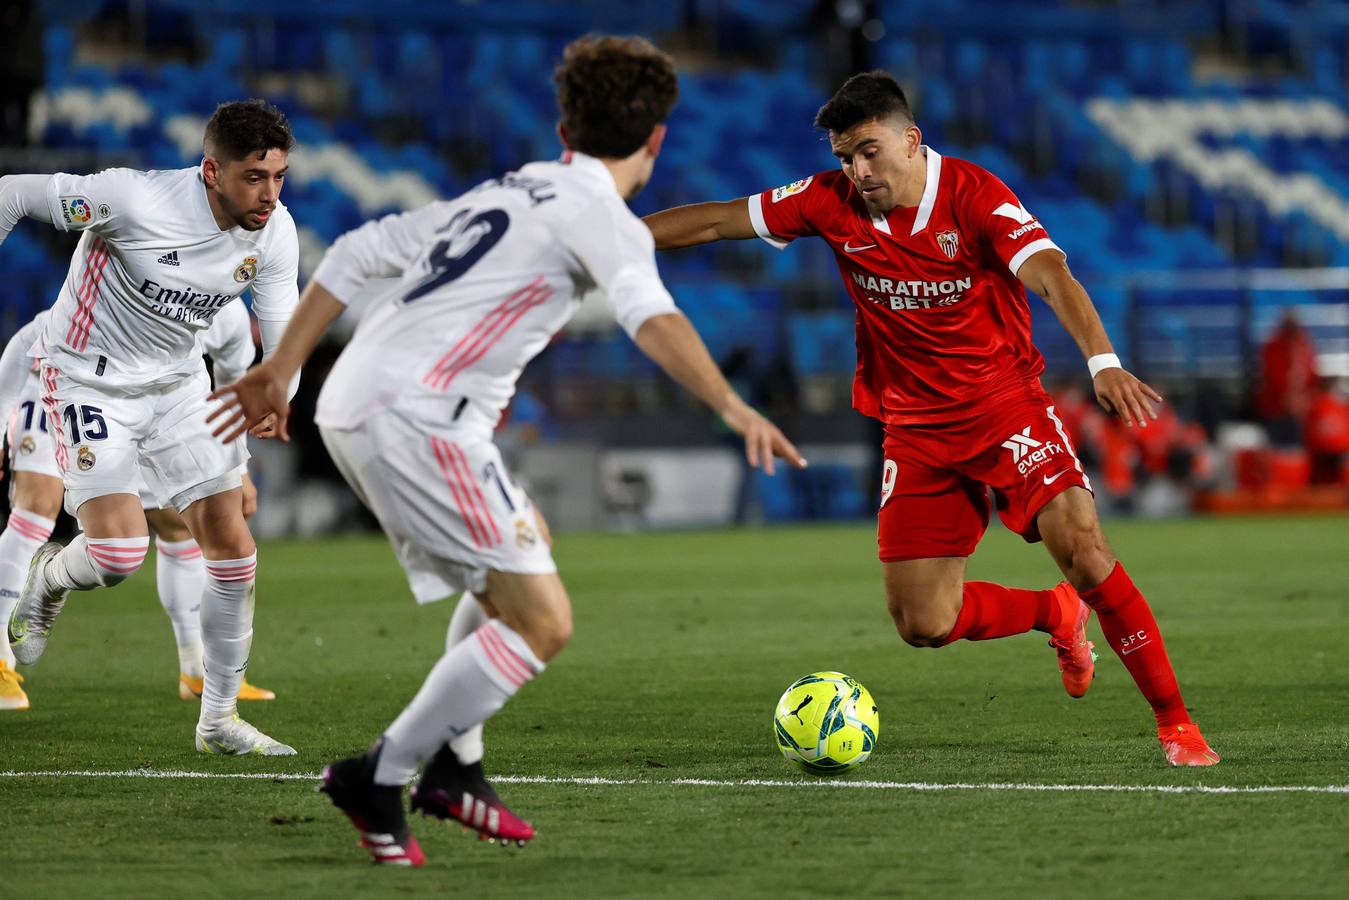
(864,98)
(241,128)
(612,91)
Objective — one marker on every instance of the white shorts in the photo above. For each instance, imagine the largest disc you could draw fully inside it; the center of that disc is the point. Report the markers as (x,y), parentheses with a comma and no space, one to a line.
(31,445)
(445,500)
(156,443)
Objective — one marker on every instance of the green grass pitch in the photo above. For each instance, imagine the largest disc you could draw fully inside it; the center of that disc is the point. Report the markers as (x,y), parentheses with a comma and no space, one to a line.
(683,644)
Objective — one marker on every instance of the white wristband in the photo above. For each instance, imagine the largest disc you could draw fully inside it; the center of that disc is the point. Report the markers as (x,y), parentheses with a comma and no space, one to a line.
(1102,361)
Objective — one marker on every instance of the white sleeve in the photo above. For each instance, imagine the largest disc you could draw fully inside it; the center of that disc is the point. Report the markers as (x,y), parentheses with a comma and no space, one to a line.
(276,289)
(102,202)
(229,343)
(380,249)
(618,252)
(22,196)
(16,365)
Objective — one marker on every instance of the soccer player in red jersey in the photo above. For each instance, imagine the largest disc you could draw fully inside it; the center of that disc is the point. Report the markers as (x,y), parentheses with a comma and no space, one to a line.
(936,254)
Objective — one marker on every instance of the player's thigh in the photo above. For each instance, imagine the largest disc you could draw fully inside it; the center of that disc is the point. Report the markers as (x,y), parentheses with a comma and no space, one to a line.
(38,494)
(1072,533)
(181,462)
(451,511)
(535,606)
(928,510)
(217,524)
(924,596)
(168,524)
(113,516)
(1021,450)
(95,436)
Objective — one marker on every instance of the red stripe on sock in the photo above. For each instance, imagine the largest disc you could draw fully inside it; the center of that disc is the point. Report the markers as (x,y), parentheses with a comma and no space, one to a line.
(506,660)
(497,638)
(497,662)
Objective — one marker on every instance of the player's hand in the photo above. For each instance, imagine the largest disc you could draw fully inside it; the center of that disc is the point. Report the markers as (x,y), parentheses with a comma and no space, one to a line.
(265,429)
(260,394)
(250,497)
(1123,395)
(763,440)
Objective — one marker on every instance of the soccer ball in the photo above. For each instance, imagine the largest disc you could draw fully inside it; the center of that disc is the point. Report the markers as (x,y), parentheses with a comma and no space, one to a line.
(826,723)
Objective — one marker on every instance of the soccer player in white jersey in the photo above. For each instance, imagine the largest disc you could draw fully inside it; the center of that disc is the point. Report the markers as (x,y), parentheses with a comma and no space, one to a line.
(36,492)
(484,282)
(125,391)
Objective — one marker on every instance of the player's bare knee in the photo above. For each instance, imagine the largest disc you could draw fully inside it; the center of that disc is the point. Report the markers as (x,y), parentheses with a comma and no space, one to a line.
(925,631)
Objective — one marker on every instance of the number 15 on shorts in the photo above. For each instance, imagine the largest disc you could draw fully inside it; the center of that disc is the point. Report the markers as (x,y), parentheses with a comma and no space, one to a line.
(84,424)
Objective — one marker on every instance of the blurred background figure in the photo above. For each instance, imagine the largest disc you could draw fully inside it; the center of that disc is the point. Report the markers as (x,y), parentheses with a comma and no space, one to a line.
(1288,381)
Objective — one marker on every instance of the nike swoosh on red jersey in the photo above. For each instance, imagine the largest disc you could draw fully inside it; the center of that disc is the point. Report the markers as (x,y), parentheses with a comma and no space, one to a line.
(848,248)
(1049,480)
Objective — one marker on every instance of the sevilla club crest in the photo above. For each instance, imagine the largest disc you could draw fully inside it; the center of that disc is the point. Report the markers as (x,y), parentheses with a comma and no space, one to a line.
(949,242)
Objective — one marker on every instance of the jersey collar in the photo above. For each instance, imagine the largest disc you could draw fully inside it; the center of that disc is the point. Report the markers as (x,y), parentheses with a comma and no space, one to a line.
(928,201)
(589,164)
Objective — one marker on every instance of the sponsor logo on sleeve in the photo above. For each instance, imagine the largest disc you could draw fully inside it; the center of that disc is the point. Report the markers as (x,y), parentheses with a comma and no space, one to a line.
(795,187)
(104,210)
(77,210)
(949,242)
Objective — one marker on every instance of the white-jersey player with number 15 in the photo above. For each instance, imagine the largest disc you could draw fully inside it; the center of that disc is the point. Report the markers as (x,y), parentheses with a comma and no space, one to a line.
(125,391)
(484,282)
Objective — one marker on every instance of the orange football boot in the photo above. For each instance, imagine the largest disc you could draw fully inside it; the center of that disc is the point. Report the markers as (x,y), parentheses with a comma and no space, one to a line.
(1185,746)
(190,688)
(1077,655)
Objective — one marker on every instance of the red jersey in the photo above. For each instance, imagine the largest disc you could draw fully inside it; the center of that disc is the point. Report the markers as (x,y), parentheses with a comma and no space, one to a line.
(942,321)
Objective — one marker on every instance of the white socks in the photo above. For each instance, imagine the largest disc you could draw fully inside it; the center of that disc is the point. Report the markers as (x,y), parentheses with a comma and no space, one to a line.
(22,536)
(468,617)
(467,686)
(227,634)
(181,578)
(88,563)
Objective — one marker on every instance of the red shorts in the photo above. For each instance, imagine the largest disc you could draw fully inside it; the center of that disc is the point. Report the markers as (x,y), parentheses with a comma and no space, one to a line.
(934,498)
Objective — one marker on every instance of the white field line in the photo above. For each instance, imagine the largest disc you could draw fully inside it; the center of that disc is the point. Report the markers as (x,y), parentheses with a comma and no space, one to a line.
(917,786)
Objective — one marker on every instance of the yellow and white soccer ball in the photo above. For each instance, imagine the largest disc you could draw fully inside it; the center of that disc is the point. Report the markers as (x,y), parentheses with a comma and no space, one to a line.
(827,723)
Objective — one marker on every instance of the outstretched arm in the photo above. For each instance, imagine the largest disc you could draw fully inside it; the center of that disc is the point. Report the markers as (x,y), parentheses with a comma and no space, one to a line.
(701,223)
(1119,392)
(264,391)
(22,196)
(672,343)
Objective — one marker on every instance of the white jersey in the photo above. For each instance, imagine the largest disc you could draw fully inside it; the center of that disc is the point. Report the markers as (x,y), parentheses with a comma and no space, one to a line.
(229,343)
(151,271)
(484,283)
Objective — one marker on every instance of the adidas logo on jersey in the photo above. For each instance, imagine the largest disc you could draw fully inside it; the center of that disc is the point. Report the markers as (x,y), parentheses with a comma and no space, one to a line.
(168,259)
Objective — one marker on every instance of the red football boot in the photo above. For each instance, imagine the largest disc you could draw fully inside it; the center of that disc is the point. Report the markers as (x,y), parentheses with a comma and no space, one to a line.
(448,789)
(1077,655)
(1185,746)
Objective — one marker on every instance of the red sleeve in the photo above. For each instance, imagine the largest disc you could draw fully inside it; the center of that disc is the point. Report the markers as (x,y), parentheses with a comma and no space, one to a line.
(788,212)
(1009,228)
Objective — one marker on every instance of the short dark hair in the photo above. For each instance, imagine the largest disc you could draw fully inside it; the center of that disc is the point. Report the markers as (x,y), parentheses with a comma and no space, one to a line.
(864,98)
(611,91)
(241,128)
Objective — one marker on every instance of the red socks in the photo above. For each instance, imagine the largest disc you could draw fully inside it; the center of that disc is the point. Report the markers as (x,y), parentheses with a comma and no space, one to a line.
(990,611)
(1128,624)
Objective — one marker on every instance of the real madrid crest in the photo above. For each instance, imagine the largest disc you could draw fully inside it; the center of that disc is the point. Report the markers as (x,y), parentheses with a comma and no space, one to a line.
(247,271)
(27,445)
(85,459)
(949,242)
(525,535)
